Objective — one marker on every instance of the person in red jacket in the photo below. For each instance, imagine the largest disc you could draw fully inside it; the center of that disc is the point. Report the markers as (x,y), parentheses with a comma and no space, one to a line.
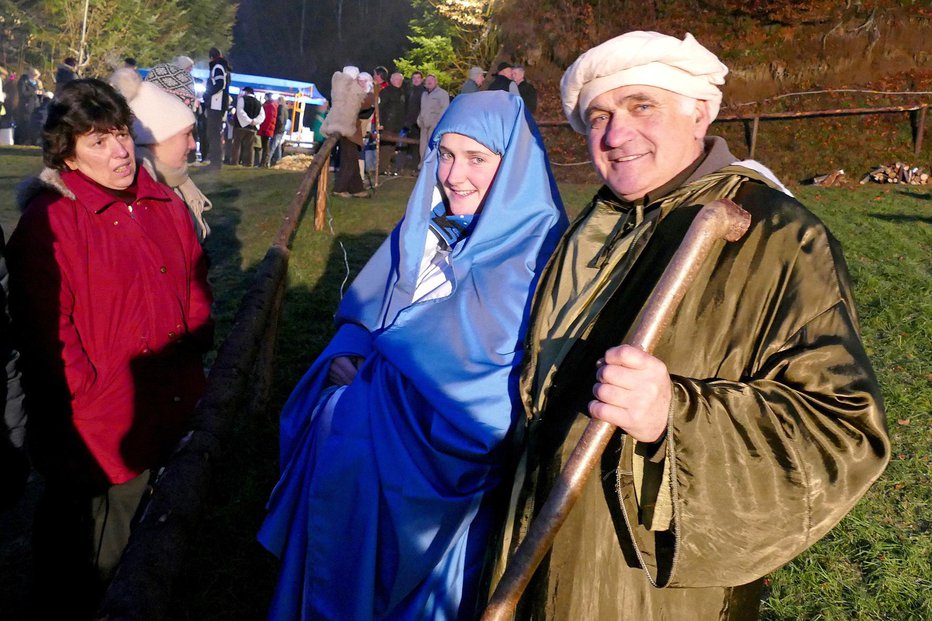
(267,129)
(111,307)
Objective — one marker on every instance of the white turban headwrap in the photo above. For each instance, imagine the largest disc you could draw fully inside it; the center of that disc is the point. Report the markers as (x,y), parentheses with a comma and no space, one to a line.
(647,58)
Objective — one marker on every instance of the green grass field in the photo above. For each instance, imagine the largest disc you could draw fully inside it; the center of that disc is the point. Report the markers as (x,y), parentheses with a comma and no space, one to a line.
(877,564)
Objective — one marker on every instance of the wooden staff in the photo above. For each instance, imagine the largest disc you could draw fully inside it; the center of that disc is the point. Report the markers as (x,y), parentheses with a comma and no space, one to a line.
(721,219)
(377,133)
(320,207)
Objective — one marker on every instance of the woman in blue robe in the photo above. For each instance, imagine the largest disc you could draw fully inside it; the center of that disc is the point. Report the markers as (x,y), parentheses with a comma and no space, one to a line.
(396,438)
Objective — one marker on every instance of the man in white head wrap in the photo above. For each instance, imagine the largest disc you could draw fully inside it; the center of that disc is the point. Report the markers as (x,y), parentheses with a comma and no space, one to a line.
(757,423)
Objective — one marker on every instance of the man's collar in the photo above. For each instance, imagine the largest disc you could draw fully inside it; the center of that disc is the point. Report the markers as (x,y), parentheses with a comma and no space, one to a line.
(716,157)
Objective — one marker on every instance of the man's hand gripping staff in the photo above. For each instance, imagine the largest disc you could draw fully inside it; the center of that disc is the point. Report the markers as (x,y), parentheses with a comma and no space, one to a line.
(622,370)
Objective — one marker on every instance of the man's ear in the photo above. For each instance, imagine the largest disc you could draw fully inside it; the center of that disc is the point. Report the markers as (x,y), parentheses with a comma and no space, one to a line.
(702,119)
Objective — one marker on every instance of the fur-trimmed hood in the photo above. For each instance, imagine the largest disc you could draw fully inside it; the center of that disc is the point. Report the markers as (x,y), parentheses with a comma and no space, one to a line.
(49,180)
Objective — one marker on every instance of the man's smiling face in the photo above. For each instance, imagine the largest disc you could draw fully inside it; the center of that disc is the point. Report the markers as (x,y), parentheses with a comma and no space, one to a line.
(640,137)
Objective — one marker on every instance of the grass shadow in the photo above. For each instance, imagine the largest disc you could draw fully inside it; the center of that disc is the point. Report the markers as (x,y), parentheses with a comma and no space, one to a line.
(901,218)
(923,196)
(22,151)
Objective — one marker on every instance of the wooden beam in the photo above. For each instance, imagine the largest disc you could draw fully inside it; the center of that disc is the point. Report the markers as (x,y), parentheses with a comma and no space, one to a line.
(155,554)
(392,137)
(768,116)
(816,113)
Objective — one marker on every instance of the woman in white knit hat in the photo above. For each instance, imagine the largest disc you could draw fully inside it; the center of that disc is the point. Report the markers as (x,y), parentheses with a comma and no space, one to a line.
(164,127)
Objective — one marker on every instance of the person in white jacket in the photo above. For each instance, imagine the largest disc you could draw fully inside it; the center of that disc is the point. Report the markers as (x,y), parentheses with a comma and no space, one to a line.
(434,102)
(246,122)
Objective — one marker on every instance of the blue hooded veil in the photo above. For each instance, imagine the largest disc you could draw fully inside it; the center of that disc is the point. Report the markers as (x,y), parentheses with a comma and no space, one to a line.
(382,510)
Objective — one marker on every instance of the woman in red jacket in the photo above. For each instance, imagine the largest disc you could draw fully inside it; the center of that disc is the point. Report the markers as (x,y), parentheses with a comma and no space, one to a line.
(267,128)
(111,305)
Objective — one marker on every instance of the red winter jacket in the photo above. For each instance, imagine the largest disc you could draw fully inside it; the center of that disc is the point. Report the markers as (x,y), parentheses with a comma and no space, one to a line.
(112,310)
(267,128)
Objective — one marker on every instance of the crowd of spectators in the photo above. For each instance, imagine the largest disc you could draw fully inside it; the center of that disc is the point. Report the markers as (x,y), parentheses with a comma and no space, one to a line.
(249,129)
(408,108)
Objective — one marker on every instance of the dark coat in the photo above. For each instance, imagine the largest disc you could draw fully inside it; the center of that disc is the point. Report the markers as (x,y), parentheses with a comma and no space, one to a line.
(28,98)
(500,83)
(392,104)
(64,74)
(529,95)
(217,87)
(413,106)
(14,465)
(281,118)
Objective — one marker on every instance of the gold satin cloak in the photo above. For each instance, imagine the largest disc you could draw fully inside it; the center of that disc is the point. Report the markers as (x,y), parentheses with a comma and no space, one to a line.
(776,428)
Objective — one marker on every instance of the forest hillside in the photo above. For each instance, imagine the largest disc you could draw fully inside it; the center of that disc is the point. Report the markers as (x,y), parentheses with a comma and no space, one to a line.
(773,49)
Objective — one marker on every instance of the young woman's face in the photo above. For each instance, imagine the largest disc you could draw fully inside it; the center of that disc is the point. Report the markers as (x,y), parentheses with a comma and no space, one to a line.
(467,169)
(107,158)
(174,151)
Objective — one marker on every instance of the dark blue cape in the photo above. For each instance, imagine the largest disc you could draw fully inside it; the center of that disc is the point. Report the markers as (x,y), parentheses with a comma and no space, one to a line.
(384,513)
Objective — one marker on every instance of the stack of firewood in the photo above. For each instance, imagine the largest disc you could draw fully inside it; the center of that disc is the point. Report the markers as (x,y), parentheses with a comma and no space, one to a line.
(897,173)
(298,162)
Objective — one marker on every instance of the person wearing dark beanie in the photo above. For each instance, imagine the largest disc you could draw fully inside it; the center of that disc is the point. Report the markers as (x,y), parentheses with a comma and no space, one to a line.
(502,80)
(216,102)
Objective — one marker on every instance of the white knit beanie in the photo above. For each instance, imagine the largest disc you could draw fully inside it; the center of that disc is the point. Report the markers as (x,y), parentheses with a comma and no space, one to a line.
(159,115)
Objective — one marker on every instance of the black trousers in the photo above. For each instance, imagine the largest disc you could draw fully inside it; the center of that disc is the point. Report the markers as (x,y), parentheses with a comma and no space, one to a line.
(78,538)
(214,133)
(244,140)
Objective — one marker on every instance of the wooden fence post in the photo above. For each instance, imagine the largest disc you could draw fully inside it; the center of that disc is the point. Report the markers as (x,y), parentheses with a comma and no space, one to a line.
(321,206)
(378,134)
(239,378)
(920,128)
(141,587)
(750,135)
(299,202)
(754,126)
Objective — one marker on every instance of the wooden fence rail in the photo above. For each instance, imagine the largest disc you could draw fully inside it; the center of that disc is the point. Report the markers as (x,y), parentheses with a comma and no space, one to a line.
(240,379)
(751,122)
